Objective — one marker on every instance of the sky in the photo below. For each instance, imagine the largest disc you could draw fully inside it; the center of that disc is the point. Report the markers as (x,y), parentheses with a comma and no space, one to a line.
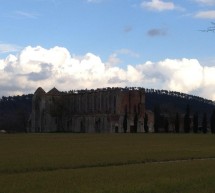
(79,44)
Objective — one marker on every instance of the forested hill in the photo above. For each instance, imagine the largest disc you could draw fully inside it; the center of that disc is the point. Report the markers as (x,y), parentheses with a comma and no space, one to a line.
(176,101)
(15,111)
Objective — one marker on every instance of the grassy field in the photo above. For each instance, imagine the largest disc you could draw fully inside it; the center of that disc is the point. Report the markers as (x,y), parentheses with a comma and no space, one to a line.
(77,163)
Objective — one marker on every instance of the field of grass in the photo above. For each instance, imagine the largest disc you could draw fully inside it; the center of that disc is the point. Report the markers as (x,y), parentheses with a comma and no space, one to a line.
(77,163)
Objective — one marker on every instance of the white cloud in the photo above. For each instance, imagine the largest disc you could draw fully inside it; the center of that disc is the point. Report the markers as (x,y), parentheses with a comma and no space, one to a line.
(184,75)
(128,52)
(114,59)
(28,15)
(8,48)
(206,14)
(94,1)
(174,74)
(206,2)
(209,78)
(158,5)
(37,66)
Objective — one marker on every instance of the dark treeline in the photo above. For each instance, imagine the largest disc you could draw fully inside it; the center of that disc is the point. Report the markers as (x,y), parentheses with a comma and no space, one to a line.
(177,100)
(174,110)
(15,111)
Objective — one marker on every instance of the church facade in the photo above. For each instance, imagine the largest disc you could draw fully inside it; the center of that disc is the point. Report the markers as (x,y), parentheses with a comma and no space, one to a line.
(105,110)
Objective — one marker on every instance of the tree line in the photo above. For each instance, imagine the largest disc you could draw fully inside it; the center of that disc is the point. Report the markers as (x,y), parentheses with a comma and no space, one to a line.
(180,112)
(184,122)
(15,112)
(173,111)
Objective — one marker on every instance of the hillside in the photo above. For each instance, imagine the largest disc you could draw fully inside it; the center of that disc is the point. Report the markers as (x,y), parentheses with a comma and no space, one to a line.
(15,112)
(176,101)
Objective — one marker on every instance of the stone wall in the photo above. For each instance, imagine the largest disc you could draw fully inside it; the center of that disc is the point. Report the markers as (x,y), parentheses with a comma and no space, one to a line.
(102,110)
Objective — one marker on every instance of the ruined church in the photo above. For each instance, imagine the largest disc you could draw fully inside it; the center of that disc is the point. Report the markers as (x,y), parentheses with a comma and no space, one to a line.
(104,110)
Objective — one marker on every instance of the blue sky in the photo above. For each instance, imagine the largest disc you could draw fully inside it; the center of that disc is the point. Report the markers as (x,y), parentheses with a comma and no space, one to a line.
(150,43)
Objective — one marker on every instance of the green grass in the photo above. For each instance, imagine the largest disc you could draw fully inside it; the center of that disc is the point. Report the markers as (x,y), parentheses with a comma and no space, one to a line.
(65,163)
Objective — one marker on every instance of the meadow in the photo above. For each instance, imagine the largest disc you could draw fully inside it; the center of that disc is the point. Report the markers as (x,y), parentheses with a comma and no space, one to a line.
(106,163)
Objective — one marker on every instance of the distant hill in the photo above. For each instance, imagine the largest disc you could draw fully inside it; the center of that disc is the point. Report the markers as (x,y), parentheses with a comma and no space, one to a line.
(176,101)
(15,110)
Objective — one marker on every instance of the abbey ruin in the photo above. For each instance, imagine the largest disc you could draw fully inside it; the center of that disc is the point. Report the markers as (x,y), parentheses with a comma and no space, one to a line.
(105,110)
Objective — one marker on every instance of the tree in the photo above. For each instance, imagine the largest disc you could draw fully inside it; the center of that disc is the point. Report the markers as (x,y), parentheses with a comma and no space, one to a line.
(146,127)
(125,122)
(195,122)
(204,123)
(83,129)
(156,118)
(177,123)
(166,125)
(187,120)
(135,122)
(213,122)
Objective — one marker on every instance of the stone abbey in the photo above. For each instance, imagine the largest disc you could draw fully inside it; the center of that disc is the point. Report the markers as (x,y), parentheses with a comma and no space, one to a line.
(105,110)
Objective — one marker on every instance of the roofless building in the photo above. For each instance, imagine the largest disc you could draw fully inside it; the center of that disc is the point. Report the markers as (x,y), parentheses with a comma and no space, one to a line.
(92,111)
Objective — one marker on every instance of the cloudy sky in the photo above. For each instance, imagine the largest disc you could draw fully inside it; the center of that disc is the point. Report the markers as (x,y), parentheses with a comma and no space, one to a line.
(75,44)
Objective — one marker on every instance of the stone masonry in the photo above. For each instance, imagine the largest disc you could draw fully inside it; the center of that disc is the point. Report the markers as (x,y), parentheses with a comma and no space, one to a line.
(105,110)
